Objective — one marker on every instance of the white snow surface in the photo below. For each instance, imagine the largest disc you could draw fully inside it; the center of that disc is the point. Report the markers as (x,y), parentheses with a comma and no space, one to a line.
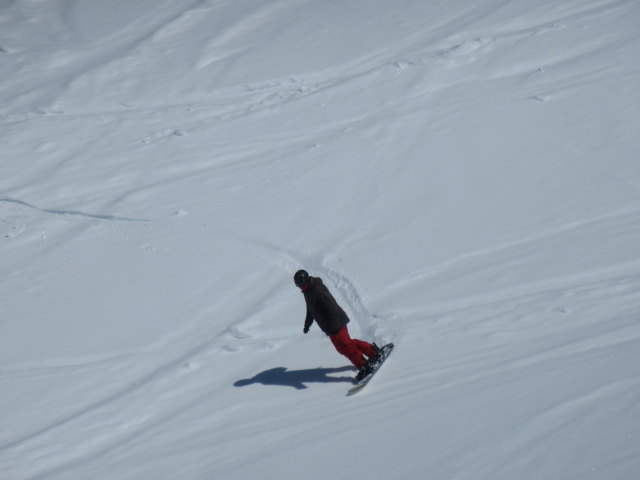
(464,176)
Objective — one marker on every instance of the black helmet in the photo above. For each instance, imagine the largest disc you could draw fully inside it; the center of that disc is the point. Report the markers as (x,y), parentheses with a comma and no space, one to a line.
(301,278)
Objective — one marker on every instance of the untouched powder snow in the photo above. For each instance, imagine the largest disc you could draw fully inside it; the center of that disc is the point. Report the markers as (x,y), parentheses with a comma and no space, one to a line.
(464,176)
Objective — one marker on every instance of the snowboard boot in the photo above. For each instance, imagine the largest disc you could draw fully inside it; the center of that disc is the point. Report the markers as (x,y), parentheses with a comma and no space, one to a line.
(365,370)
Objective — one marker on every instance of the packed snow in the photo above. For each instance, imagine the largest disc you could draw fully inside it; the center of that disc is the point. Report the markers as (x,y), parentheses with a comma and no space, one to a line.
(464,176)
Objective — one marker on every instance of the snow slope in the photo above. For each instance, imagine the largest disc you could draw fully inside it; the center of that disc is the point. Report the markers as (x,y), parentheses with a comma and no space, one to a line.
(463,175)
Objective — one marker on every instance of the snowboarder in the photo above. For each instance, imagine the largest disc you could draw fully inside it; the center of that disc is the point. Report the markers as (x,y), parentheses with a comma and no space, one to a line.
(332,320)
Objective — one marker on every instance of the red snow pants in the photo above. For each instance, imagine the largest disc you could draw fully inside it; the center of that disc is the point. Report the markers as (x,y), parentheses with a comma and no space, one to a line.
(352,348)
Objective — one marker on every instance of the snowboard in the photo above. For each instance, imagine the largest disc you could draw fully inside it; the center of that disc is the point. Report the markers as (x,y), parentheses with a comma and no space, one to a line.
(382,356)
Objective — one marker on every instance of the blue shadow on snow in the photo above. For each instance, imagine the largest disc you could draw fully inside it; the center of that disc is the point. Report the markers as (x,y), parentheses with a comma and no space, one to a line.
(297,378)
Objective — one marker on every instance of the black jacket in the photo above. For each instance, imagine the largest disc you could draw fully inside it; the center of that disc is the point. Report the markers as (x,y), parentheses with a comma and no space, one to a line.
(323,308)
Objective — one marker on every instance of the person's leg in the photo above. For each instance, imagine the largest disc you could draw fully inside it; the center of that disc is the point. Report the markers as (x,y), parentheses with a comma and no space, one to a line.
(364,347)
(347,347)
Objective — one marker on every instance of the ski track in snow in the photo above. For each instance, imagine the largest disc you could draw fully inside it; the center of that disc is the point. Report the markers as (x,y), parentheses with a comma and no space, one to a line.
(22,212)
(617,224)
(288,261)
(256,96)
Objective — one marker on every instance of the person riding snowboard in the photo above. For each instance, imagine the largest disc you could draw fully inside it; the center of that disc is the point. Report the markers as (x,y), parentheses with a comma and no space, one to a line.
(332,320)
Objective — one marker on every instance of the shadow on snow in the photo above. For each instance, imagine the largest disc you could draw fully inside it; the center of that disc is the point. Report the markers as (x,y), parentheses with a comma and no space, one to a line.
(297,378)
